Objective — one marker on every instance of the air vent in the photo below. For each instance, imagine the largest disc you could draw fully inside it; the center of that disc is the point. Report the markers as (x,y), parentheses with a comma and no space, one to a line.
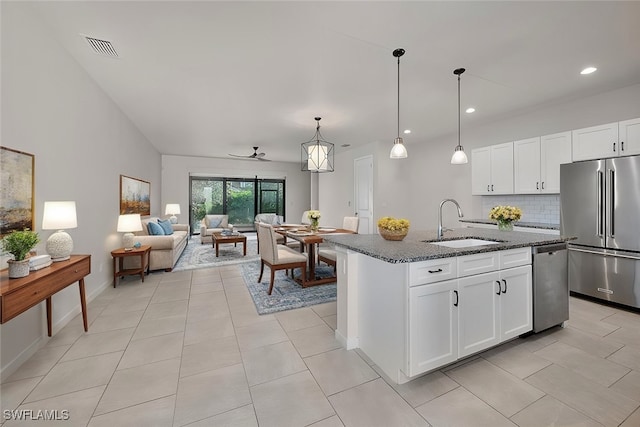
(101,47)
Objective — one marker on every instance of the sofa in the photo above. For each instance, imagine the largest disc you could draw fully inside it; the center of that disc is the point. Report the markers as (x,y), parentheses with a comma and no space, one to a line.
(213,224)
(165,249)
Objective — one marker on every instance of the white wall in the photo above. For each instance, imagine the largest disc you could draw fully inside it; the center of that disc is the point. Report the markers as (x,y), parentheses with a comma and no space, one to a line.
(414,187)
(176,171)
(82,142)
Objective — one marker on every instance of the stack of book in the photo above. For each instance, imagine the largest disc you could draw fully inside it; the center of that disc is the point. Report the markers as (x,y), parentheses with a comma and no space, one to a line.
(39,261)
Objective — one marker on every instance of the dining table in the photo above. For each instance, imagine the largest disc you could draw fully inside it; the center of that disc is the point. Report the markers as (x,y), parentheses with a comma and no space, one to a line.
(308,240)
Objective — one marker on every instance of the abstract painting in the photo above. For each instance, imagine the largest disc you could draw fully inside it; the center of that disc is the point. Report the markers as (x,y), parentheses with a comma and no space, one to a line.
(16,190)
(134,196)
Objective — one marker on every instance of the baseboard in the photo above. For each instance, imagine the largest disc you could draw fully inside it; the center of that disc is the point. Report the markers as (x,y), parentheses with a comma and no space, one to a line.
(347,343)
(8,369)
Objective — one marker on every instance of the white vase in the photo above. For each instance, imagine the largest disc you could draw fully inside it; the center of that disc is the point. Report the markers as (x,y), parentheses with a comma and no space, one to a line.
(18,269)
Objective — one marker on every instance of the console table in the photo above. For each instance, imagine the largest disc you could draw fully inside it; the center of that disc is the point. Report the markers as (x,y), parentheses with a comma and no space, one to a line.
(19,295)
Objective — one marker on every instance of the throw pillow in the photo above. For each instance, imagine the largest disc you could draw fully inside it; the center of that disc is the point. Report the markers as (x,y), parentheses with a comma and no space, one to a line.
(166,226)
(214,221)
(154,229)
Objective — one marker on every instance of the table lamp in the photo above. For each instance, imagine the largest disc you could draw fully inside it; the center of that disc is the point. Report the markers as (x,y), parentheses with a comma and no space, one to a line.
(59,216)
(127,224)
(172,209)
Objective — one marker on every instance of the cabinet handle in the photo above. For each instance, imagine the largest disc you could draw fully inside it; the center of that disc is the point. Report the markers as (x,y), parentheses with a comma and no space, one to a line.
(435,271)
(487,187)
(621,145)
(455,304)
(499,288)
(505,286)
(491,187)
(614,147)
(537,186)
(543,185)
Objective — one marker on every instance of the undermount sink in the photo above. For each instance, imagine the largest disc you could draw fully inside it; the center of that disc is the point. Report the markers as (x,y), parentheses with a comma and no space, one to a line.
(464,243)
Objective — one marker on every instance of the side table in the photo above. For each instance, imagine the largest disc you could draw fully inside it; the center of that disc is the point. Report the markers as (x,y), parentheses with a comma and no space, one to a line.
(144,252)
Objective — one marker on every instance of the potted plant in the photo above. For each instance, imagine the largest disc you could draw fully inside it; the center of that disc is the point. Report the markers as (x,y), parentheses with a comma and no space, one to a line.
(18,244)
(391,228)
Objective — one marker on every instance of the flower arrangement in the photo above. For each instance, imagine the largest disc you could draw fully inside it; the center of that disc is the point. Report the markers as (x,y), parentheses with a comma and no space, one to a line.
(393,228)
(314,217)
(505,215)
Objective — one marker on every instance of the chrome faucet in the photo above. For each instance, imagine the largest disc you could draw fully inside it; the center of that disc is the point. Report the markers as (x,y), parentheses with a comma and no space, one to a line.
(440,228)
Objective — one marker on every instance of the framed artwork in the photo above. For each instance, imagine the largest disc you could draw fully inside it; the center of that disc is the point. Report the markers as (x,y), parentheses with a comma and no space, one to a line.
(134,196)
(17,170)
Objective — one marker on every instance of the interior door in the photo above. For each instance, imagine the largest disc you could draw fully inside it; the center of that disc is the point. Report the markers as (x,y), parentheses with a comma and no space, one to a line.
(363,193)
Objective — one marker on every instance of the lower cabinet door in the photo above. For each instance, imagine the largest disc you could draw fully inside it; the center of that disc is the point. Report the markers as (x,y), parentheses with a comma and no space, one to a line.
(478,309)
(516,302)
(433,326)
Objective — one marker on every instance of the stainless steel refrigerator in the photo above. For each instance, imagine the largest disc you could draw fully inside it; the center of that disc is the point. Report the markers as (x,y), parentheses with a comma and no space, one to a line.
(600,205)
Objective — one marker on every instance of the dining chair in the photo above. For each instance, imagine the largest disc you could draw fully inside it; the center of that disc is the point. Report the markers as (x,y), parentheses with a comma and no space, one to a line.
(328,254)
(305,218)
(278,257)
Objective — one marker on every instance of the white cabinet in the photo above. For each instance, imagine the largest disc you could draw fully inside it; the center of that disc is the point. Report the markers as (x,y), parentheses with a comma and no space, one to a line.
(537,163)
(516,316)
(555,150)
(629,136)
(433,326)
(488,303)
(492,169)
(477,309)
(610,140)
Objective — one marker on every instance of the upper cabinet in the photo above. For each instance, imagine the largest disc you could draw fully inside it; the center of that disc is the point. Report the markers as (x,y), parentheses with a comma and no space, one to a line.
(595,142)
(610,140)
(537,163)
(629,137)
(492,169)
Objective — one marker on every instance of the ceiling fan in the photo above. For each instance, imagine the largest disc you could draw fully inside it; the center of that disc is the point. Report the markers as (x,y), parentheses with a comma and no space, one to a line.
(255,155)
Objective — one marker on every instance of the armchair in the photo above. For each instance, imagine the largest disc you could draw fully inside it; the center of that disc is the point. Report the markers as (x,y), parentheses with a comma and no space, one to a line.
(213,224)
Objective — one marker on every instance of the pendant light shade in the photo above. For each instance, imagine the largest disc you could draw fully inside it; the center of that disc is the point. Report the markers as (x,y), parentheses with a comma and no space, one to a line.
(398,151)
(317,154)
(459,157)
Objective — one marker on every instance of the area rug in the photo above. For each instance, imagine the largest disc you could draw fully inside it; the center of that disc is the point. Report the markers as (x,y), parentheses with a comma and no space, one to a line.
(287,294)
(197,255)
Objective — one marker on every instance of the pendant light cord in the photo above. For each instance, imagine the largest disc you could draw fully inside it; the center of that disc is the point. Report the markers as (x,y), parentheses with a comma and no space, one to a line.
(398,96)
(458,110)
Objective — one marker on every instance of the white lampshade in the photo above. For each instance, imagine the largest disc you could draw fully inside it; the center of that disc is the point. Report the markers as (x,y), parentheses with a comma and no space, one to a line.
(127,224)
(172,209)
(317,160)
(59,216)
(398,151)
(459,157)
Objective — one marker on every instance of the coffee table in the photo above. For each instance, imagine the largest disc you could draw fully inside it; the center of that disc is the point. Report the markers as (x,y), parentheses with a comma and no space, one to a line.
(219,238)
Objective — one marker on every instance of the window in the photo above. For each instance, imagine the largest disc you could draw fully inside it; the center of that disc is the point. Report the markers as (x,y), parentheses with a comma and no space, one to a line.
(240,198)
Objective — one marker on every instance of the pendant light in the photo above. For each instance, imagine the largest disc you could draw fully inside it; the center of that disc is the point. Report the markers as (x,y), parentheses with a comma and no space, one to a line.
(398,151)
(459,157)
(317,154)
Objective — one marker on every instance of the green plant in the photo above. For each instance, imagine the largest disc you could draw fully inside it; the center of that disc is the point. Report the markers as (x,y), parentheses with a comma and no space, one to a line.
(19,243)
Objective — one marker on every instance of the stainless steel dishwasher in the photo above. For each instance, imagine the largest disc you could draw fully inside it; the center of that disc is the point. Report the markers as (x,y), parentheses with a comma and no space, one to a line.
(550,286)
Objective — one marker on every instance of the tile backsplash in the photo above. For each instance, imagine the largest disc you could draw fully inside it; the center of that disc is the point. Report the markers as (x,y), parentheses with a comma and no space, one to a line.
(543,208)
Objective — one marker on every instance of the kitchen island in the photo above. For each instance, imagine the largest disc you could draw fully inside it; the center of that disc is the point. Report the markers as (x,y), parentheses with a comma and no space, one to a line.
(414,306)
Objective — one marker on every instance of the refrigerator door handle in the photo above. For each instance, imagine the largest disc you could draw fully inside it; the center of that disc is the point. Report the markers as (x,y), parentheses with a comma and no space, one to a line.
(600,207)
(604,254)
(612,201)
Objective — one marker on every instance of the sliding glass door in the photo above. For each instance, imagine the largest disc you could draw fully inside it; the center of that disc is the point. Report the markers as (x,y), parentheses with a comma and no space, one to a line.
(240,198)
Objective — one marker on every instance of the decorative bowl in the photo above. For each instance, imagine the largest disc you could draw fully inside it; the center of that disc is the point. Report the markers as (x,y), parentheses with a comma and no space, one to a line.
(392,234)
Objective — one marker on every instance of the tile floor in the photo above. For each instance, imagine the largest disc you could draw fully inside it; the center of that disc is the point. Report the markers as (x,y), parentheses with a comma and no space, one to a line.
(188,348)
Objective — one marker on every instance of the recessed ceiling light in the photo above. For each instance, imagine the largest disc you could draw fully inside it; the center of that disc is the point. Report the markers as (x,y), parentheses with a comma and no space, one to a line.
(470,110)
(588,70)
(407,131)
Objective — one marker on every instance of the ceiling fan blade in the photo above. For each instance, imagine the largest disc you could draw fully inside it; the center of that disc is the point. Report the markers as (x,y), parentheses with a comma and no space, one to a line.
(263,159)
(237,155)
(259,155)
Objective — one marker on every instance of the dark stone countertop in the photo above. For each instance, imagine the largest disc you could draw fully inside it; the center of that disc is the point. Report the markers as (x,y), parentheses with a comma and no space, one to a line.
(413,248)
(540,225)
